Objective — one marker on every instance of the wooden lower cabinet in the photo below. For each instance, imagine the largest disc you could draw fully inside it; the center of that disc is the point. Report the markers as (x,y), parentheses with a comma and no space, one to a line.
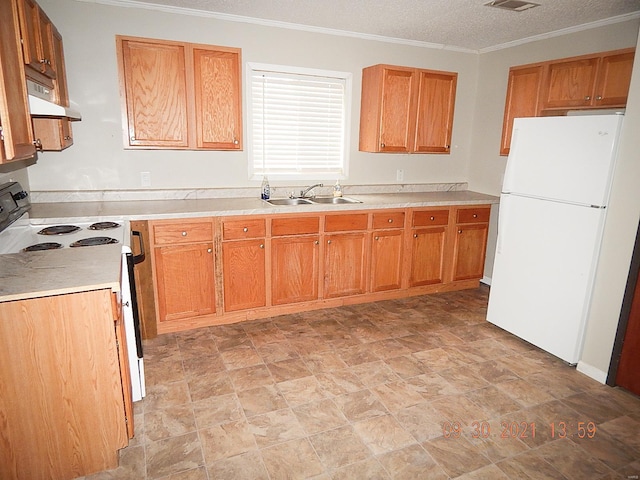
(345,263)
(295,263)
(61,387)
(257,266)
(243,266)
(185,281)
(470,244)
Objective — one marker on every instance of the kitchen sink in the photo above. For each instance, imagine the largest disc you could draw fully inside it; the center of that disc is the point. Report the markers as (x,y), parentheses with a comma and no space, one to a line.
(334,200)
(289,201)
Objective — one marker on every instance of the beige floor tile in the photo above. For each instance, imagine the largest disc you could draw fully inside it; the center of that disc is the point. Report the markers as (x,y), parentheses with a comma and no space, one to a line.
(301,390)
(340,382)
(288,370)
(261,400)
(339,447)
(456,456)
(208,386)
(169,422)
(275,427)
(397,395)
(360,405)
(295,459)
(369,469)
(412,462)
(251,377)
(319,416)
(383,434)
(172,455)
(226,440)
(216,410)
(375,373)
(246,466)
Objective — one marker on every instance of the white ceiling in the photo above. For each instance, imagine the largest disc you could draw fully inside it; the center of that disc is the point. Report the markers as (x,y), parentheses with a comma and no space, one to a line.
(455,24)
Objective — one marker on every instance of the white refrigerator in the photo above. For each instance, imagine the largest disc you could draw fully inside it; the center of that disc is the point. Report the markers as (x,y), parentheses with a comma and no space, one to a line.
(552,211)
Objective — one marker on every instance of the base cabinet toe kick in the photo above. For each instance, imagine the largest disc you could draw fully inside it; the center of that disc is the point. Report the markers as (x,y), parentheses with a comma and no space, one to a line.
(219,270)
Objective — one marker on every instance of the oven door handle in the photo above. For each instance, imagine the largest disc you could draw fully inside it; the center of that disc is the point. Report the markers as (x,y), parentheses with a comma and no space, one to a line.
(138,258)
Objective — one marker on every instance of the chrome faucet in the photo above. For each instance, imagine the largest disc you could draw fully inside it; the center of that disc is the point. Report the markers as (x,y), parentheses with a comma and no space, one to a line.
(303,193)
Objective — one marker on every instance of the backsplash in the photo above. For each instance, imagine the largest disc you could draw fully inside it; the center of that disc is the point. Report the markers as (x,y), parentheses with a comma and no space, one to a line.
(195,194)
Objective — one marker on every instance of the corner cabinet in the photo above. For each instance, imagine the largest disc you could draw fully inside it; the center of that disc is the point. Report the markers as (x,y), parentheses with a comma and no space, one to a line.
(555,87)
(406,110)
(177,95)
(64,392)
(16,131)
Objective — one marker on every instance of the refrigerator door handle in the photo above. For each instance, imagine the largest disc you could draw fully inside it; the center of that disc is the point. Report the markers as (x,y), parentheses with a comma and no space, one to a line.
(502,215)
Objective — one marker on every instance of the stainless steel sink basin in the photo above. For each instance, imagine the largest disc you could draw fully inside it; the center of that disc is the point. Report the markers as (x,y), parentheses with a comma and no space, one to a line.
(334,200)
(289,201)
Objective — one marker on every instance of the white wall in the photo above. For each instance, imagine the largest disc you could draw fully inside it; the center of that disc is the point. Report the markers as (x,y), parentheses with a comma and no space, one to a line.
(98,160)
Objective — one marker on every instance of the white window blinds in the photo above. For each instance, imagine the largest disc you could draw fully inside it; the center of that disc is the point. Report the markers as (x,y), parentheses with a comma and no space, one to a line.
(298,123)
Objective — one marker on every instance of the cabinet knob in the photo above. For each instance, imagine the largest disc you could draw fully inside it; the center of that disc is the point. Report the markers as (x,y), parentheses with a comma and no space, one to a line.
(245,229)
(184,234)
(475,215)
(67,138)
(209,250)
(132,138)
(317,242)
(459,231)
(447,147)
(329,241)
(45,61)
(415,235)
(38,143)
(382,145)
(432,218)
(262,245)
(599,97)
(235,141)
(376,238)
(391,220)
(587,97)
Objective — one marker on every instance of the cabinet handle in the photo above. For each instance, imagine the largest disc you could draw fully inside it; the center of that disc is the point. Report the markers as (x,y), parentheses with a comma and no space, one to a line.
(599,97)
(45,61)
(415,235)
(475,215)
(587,97)
(38,144)
(262,245)
(245,229)
(317,242)
(184,234)
(432,218)
(67,138)
(447,146)
(459,231)
(209,250)
(132,138)
(329,241)
(235,141)
(377,238)
(382,145)
(391,220)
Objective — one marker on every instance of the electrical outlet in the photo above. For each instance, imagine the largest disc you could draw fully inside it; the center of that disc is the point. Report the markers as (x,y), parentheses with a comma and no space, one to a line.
(399,175)
(145,179)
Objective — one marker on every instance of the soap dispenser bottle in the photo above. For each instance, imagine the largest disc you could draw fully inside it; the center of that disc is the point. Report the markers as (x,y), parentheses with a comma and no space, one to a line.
(337,189)
(265,191)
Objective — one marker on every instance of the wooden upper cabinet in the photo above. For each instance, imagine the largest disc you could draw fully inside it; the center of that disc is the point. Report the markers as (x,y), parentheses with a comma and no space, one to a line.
(16,134)
(37,42)
(178,95)
(552,88)
(614,78)
(154,86)
(60,83)
(436,100)
(523,95)
(217,98)
(406,110)
(570,83)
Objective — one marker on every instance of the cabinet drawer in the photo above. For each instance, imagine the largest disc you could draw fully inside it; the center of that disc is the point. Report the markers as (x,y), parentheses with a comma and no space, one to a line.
(182,233)
(238,229)
(342,223)
(388,220)
(473,215)
(295,226)
(427,218)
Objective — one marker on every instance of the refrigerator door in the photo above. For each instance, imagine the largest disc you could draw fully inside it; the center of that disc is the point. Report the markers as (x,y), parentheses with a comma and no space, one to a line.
(567,159)
(542,276)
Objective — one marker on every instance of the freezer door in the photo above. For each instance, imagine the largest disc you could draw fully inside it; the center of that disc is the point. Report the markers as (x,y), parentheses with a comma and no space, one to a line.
(567,159)
(543,272)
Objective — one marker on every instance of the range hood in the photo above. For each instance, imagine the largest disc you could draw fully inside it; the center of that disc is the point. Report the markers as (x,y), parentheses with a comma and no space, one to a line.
(40,104)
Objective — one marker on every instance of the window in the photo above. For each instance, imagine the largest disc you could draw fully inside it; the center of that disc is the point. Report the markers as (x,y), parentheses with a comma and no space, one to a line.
(298,122)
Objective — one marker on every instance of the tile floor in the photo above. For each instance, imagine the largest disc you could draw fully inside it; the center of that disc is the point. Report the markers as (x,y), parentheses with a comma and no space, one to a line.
(417,388)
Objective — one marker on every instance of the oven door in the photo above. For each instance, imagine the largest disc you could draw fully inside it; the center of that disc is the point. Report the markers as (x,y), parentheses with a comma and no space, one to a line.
(132,325)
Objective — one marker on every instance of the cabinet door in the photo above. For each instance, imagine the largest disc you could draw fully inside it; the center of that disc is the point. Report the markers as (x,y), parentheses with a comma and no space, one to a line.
(345,264)
(571,83)
(54,134)
(16,139)
(469,251)
(427,256)
(185,281)
(614,78)
(243,265)
(523,95)
(294,269)
(436,100)
(30,27)
(386,260)
(217,99)
(153,80)
(46,45)
(397,108)
(60,83)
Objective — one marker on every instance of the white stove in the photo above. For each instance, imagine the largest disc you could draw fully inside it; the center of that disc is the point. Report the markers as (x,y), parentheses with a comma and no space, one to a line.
(21,235)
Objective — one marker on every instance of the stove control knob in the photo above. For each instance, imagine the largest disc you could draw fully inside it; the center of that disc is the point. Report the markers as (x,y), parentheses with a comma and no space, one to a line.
(20,195)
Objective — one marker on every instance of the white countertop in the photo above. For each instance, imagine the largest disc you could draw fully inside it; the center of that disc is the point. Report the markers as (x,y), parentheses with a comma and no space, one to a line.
(57,272)
(166,209)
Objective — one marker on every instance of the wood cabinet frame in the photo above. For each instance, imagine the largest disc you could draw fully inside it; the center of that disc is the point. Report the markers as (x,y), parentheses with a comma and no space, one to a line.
(307,235)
